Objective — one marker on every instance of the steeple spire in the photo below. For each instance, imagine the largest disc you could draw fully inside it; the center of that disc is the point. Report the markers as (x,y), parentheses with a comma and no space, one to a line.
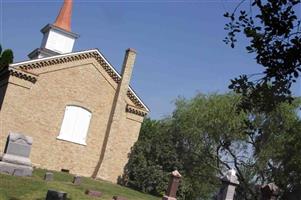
(58,38)
(63,19)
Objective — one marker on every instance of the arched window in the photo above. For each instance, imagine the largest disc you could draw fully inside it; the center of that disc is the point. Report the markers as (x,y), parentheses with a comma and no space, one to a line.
(75,125)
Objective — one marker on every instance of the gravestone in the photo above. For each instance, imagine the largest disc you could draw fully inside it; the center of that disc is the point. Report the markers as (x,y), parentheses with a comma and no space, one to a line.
(269,191)
(15,160)
(65,170)
(119,198)
(76,180)
(93,193)
(48,176)
(173,185)
(56,195)
(229,183)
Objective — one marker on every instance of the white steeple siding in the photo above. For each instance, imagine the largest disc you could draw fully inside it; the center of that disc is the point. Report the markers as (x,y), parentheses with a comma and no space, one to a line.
(58,42)
(57,39)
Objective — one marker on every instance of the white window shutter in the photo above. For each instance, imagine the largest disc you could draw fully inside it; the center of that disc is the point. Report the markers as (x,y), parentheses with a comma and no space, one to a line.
(82,125)
(75,124)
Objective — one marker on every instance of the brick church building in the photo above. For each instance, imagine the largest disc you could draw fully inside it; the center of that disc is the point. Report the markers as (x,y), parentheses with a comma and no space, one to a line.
(81,113)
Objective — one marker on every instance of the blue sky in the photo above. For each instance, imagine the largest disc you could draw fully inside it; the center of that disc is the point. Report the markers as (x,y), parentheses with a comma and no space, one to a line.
(179,43)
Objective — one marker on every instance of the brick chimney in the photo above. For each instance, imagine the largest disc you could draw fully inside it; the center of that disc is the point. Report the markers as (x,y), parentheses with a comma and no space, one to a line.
(121,92)
(117,115)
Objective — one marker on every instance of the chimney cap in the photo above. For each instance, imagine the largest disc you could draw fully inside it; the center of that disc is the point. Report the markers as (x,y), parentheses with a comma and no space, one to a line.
(132,50)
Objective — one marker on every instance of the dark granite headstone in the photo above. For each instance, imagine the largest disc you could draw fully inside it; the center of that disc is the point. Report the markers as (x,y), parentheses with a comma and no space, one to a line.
(269,191)
(56,195)
(65,170)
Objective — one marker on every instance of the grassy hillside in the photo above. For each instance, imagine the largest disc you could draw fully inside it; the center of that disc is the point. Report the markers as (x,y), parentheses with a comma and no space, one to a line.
(35,188)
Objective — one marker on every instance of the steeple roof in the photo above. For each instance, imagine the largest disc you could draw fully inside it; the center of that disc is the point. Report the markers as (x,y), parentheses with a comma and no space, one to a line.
(63,19)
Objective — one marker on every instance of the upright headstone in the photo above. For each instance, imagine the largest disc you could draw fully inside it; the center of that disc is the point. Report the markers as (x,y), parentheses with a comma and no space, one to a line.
(76,180)
(56,195)
(15,160)
(119,198)
(93,193)
(269,191)
(229,183)
(173,185)
(48,176)
(65,170)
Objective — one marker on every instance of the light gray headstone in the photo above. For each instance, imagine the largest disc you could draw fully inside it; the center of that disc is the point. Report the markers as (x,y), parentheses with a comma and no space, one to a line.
(230,182)
(48,176)
(15,160)
(18,145)
(76,180)
(14,169)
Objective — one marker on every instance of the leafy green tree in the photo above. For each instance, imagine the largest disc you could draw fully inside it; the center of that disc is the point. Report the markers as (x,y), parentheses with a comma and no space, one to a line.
(6,57)
(207,135)
(189,141)
(277,148)
(269,137)
(273,128)
(273,30)
(143,171)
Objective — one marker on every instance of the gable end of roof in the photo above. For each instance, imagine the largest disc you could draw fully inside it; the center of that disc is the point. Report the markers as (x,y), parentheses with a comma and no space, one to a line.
(18,69)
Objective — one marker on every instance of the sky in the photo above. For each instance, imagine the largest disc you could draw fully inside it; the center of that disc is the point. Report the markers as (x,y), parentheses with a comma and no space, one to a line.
(179,43)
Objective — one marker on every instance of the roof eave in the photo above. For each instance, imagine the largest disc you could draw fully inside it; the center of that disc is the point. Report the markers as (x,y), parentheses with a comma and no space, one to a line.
(15,65)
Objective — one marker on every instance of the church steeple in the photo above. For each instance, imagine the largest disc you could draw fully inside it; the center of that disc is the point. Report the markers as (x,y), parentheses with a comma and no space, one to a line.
(63,19)
(58,38)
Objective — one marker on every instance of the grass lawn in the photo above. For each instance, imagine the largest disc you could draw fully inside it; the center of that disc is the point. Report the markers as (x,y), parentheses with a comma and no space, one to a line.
(35,188)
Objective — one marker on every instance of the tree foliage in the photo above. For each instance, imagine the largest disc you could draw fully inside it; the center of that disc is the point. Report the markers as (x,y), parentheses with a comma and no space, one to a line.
(207,135)
(6,57)
(273,30)
(157,153)
(274,34)
(187,141)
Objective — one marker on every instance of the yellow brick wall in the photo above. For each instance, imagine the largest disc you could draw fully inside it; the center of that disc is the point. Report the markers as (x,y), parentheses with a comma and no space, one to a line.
(37,110)
(118,149)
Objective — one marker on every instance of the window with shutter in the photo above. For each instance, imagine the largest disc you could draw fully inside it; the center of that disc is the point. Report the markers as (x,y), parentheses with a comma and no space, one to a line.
(75,125)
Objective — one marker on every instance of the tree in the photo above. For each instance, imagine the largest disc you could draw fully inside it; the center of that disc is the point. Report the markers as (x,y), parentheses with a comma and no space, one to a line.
(6,57)
(275,39)
(279,156)
(142,171)
(273,30)
(207,135)
(189,141)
